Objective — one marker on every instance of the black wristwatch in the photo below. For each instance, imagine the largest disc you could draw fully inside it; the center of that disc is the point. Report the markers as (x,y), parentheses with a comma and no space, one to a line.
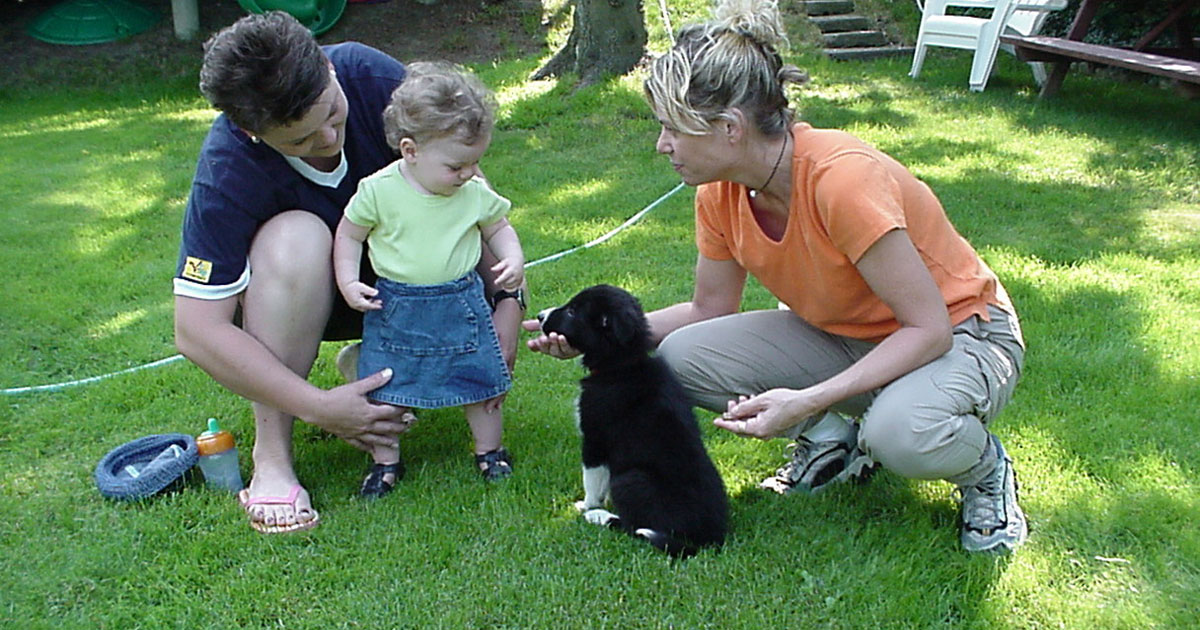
(517,295)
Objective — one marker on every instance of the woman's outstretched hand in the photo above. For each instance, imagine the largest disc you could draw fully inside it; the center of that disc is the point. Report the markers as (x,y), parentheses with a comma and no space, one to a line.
(552,344)
(767,415)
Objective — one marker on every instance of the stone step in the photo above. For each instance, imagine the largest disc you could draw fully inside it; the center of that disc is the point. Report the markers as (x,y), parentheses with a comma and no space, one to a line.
(840,23)
(827,7)
(854,39)
(868,52)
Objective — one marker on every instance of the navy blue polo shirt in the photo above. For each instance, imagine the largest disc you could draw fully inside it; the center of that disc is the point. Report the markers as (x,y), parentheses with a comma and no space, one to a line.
(240,185)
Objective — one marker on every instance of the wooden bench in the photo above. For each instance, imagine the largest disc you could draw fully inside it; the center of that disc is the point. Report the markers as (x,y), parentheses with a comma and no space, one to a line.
(1057,49)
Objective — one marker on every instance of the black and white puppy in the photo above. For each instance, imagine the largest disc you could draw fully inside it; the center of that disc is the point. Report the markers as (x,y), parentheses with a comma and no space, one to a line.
(641,445)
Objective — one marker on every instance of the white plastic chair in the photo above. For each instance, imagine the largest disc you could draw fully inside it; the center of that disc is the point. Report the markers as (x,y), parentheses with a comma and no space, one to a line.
(980,34)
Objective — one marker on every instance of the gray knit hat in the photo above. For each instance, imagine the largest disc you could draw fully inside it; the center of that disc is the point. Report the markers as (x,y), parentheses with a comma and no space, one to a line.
(145,466)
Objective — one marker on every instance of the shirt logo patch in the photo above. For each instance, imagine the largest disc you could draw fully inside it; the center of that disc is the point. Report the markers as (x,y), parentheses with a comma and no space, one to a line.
(197,269)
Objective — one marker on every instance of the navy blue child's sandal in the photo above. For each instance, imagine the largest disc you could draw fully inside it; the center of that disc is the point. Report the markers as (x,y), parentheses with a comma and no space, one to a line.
(494,465)
(376,483)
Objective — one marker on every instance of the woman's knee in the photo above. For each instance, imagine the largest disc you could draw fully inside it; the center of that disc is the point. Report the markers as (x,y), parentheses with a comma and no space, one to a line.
(918,444)
(294,244)
(674,349)
(685,357)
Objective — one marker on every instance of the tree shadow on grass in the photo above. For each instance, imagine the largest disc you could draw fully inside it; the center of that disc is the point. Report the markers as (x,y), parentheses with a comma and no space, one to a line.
(899,536)
(1102,427)
(1098,379)
(1000,203)
(93,244)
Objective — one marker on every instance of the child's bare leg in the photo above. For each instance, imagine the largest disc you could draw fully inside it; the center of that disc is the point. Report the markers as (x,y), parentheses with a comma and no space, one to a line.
(391,454)
(487,427)
(386,454)
(386,471)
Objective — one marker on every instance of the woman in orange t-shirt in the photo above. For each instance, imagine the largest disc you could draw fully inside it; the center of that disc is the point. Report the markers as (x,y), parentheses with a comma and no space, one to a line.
(894,344)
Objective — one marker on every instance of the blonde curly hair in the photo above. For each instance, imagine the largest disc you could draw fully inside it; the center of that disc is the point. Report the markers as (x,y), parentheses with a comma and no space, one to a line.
(730,61)
(439,99)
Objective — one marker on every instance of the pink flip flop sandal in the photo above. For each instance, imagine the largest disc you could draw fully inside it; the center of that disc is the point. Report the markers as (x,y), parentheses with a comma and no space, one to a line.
(290,499)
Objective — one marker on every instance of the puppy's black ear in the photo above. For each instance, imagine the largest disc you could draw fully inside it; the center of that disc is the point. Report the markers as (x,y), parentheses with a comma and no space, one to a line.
(627,330)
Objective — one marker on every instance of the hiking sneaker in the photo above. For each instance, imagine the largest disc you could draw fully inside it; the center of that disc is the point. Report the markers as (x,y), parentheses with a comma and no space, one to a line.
(991,519)
(347,361)
(826,454)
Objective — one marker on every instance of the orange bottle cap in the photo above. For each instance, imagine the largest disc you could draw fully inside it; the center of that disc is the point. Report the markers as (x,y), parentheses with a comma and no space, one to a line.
(209,443)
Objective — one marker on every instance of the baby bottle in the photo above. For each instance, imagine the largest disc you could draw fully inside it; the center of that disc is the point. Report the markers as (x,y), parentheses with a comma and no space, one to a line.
(219,458)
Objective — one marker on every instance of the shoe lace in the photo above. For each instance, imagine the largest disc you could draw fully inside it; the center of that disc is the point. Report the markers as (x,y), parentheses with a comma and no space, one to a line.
(983,503)
(798,453)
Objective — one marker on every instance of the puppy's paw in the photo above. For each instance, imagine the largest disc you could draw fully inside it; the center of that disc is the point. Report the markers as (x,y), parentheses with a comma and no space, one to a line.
(583,506)
(601,517)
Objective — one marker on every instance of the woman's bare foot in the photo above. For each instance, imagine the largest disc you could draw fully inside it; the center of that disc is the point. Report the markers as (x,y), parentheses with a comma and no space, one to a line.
(267,501)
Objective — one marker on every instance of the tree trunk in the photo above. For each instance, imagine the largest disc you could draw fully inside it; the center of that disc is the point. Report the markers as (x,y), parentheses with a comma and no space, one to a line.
(608,37)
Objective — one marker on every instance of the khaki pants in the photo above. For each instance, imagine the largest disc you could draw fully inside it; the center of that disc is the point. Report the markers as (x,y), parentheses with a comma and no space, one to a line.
(928,424)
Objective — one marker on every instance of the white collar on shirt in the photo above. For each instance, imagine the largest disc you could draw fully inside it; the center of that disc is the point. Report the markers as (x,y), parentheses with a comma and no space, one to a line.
(330,180)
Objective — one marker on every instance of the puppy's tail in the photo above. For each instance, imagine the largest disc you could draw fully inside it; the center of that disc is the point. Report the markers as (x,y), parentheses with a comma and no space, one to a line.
(667,543)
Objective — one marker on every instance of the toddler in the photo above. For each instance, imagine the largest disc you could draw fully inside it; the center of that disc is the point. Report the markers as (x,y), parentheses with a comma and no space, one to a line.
(423,218)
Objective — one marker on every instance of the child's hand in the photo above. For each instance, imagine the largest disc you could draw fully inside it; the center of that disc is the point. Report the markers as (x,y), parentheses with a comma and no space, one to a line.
(510,273)
(359,296)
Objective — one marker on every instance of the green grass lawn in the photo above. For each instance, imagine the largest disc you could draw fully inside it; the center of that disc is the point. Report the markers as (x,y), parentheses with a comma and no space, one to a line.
(1087,206)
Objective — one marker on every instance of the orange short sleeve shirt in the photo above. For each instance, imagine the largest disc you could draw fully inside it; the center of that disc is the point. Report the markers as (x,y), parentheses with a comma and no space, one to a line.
(845,196)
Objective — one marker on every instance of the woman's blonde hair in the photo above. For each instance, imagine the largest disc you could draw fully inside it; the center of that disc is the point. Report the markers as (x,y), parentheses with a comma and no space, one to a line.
(730,61)
(438,99)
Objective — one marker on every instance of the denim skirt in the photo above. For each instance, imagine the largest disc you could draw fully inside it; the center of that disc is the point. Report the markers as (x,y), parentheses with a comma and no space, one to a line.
(439,341)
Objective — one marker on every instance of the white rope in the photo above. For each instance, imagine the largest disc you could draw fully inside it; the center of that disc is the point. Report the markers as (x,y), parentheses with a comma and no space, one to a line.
(171,359)
(611,233)
(57,386)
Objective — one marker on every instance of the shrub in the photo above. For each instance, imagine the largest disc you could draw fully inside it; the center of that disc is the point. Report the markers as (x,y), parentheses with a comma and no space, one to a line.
(1116,25)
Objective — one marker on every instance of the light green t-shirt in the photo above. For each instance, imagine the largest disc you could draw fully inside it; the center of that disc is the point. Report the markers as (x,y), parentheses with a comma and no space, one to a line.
(423,239)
